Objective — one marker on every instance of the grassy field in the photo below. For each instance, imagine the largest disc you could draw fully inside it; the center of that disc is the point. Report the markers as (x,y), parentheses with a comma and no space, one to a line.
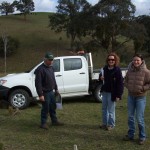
(82,118)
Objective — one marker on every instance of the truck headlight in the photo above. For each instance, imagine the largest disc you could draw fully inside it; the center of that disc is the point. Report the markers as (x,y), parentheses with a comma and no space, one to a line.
(2,82)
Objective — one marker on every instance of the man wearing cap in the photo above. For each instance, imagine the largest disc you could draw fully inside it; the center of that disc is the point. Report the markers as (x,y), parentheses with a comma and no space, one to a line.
(46,87)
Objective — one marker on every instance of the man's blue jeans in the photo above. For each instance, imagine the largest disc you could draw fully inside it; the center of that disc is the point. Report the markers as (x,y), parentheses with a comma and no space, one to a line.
(108,110)
(136,105)
(48,108)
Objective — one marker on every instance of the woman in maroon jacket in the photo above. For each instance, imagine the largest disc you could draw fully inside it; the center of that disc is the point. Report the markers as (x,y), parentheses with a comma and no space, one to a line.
(112,90)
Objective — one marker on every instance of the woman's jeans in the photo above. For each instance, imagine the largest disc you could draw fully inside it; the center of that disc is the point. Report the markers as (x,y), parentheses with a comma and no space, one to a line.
(108,110)
(48,108)
(136,105)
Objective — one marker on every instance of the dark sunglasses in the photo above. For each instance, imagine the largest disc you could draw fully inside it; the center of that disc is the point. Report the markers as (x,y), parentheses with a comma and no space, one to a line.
(111,59)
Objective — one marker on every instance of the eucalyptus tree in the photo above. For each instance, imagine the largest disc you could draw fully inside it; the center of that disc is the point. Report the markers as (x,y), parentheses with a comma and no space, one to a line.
(139,36)
(24,6)
(70,18)
(6,8)
(11,43)
(112,17)
(145,20)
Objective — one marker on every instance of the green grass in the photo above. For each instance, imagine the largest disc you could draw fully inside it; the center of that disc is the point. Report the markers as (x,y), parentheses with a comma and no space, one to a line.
(82,118)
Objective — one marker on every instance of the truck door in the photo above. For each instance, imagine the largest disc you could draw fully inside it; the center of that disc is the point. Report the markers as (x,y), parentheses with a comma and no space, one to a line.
(58,75)
(75,75)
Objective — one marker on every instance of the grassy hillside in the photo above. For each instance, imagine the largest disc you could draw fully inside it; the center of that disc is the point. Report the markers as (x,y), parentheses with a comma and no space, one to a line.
(35,39)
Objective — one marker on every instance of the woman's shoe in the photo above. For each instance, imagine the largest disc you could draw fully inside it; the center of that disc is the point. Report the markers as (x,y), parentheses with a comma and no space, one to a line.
(109,128)
(141,142)
(127,138)
(103,126)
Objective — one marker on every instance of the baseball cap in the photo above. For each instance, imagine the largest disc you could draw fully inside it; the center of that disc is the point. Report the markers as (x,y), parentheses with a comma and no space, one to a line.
(49,55)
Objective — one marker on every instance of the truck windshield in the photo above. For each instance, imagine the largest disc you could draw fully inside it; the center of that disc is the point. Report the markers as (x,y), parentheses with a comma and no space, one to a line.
(56,66)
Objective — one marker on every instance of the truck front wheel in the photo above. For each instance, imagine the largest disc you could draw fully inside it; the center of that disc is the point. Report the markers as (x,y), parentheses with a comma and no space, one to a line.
(19,99)
(97,93)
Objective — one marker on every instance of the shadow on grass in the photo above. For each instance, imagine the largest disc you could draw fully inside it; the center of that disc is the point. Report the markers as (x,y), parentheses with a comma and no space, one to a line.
(79,99)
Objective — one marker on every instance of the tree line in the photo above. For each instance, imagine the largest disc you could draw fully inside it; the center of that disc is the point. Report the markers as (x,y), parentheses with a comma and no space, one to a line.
(24,6)
(109,24)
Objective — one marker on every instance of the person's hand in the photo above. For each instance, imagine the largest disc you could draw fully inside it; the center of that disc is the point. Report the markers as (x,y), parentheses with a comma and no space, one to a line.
(117,99)
(56,92)
(42,98)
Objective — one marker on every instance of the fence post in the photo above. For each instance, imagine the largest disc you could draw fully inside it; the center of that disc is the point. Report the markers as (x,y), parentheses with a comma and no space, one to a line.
(75,147)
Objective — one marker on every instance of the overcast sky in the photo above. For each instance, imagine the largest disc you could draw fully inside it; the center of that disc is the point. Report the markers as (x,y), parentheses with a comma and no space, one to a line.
(142,6)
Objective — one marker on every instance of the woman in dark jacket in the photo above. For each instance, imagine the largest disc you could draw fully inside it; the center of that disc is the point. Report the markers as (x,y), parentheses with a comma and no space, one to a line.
(112,90)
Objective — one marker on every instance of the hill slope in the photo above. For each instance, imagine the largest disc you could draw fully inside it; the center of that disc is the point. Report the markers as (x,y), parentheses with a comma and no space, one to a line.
(35,39)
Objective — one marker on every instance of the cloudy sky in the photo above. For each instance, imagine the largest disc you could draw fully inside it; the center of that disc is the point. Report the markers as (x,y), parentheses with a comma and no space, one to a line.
(142,6)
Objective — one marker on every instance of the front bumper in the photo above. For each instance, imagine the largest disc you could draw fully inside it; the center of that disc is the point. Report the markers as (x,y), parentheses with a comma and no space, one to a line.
(3,92)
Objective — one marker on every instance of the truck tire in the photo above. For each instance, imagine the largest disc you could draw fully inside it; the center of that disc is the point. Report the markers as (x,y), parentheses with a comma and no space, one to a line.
(19,98)
(97,94)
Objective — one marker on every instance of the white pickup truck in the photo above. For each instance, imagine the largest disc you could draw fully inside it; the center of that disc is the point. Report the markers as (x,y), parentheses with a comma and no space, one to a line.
(74,76)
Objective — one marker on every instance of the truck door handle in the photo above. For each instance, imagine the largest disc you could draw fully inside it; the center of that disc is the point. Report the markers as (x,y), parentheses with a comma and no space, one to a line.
(82,73)
(58,75)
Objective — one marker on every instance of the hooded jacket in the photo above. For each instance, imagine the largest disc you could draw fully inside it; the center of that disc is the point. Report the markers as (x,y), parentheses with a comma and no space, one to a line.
(137,80)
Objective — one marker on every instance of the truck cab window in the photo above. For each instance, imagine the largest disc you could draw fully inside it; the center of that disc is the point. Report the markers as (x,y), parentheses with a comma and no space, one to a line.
(56,65)
(72,64)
